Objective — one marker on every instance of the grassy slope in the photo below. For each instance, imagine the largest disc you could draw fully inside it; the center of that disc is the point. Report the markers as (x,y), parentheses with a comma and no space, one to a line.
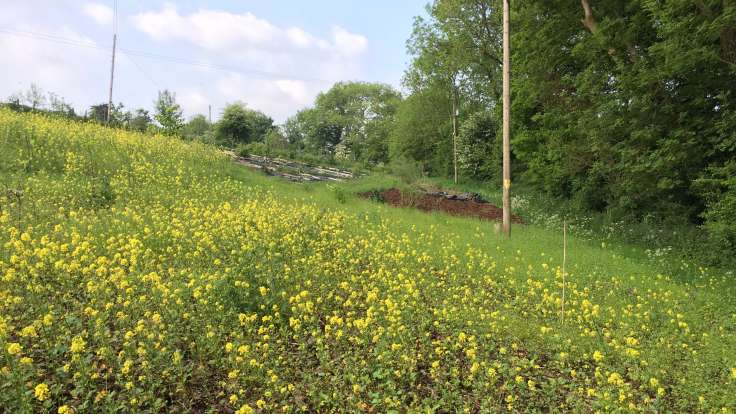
(442,290)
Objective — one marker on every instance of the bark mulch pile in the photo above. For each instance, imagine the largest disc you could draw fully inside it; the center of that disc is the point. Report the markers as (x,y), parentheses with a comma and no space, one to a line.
(456,204)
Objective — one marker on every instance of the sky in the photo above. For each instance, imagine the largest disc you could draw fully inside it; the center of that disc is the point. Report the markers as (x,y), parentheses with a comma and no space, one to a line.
(273,55)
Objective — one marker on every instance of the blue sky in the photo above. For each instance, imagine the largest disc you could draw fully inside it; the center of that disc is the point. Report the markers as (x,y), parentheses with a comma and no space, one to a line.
(273,55)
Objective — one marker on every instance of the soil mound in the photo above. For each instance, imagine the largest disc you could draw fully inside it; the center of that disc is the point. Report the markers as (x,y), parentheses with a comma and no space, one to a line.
(465,204)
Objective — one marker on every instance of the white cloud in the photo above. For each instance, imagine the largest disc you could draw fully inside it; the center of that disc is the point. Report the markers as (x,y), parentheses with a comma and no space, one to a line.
(348,43)
(100,13)
(296,90)
(222,31)
(278,70)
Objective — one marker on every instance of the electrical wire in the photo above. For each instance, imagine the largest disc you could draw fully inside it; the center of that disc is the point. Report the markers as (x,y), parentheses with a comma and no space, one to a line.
(171,59)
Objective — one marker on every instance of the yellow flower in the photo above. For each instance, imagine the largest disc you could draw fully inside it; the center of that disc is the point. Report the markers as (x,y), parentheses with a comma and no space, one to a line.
(597,356)
(615,379)
(29,332)
(176,358)
(64,409)
(41,391)
(78,344)
(14,348)
(233,399)
(260,404)
(246,409)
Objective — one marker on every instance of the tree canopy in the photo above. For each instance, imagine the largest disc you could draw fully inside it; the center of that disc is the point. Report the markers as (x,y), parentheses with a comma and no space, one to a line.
(241,125)
(352,120)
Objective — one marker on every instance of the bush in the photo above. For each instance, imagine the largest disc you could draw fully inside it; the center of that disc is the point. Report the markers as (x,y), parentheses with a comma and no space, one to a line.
(408,171)
(254,148)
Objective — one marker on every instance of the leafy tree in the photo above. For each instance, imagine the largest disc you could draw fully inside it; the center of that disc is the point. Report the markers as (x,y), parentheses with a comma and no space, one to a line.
(241,125)
(198,127)
(422,130)
(98,113)
(351,120)
(168,113)
(275,140)
(140,120)
(479,147)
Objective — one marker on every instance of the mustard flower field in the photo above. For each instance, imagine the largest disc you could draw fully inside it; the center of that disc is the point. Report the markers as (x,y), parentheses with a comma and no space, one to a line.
(140,274)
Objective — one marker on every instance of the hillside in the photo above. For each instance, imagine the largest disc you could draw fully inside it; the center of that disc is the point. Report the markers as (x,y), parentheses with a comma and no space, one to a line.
(148,274)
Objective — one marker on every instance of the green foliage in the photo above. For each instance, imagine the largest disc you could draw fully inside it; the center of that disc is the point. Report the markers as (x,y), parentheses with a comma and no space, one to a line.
(423,132)
(139,121)
(241,125)
(407,170)
(628,120)
(253,148)
(479,147)
(198,128)
(276,141)
(168,113)
(629,112)
(350,121)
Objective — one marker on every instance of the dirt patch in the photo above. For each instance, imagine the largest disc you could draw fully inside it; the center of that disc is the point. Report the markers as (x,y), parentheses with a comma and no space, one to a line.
(469,206)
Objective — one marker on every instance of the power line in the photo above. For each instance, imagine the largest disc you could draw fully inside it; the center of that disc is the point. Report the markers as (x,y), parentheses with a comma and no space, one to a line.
(141,70)
(171,59)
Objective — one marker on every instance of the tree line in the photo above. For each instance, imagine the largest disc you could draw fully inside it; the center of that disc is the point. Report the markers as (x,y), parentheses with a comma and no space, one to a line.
(624,108)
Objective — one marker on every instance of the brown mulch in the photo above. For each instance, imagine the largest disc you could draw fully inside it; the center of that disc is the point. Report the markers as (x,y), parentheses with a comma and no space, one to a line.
(433,202)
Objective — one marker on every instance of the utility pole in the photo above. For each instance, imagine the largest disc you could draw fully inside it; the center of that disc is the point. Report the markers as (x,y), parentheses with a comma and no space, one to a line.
(112,67)
(454,127)
(209,109)
(506,122)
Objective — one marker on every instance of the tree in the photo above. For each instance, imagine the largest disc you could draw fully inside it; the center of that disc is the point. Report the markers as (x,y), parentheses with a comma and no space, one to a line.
(98,113)
(58,106)
(275,140)
(457,51)
(421,131)
(479,147)
(140,120)
(35,97)
(168,113)
(351,120)
(241,125)
(197,128)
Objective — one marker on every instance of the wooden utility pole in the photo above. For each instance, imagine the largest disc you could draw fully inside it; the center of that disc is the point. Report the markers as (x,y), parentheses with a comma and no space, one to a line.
(506,122)
(112,67)
(454,128)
